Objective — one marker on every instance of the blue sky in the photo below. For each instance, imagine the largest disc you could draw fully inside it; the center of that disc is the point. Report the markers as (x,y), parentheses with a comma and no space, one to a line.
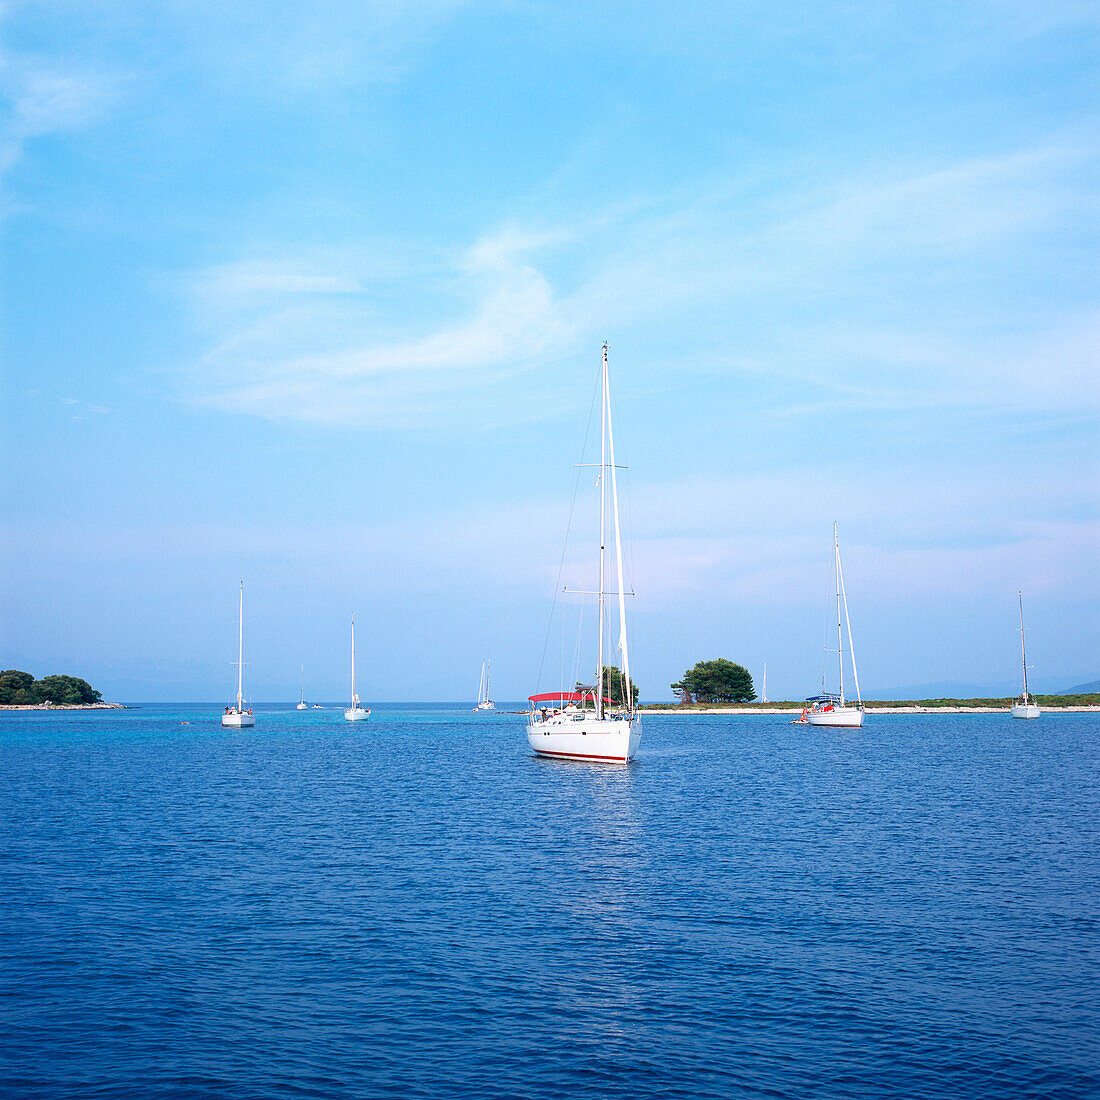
(314,295)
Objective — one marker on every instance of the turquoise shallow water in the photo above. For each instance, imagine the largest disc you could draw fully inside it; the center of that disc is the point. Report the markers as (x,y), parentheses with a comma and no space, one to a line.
(419,907)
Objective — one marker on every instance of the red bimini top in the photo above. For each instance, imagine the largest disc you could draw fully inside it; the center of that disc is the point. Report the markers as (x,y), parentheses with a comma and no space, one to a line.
(560,697)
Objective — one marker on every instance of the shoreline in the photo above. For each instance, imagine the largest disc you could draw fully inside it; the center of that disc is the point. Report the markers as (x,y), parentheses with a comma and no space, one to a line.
(1072,709)
(64,706)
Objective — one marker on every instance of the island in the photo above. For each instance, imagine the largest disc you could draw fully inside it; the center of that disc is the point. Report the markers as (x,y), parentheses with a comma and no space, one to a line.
(21,691)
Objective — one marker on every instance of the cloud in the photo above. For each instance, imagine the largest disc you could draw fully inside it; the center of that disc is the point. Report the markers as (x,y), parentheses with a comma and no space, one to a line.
(344,363)
(281,51)
(898,286)
(45,97)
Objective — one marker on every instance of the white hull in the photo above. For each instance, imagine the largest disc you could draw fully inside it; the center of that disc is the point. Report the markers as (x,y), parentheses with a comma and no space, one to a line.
(1024,710)
(486,706)
(238,720)
(302,706)
(356,714)
(839,716)
(611,741)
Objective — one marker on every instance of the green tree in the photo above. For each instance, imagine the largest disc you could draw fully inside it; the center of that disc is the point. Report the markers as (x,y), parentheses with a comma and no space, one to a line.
(66,689)
(13,684)
(717,681)
(613,686)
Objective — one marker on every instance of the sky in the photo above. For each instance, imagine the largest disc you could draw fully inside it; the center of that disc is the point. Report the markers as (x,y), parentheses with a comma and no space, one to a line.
(314,296)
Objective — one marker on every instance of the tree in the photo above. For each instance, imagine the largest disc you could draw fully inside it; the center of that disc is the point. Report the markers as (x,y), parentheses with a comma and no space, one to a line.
(613,686)
(717,681)
(66,689)
(22,689)
(16,687)
(683,693)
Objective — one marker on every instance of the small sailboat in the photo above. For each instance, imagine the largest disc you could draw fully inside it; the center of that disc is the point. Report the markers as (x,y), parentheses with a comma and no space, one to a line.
(355,713)
(829,709)
(302,705)
(236,716)
(483,700)
(1025,706)
(562,724)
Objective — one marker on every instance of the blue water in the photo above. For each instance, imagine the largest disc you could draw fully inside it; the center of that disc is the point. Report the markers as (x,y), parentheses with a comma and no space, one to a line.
(419,907)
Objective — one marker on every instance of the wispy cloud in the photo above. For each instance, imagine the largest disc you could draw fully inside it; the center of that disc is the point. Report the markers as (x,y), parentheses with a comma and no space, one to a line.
(46,97)
(290,350)
(869,285)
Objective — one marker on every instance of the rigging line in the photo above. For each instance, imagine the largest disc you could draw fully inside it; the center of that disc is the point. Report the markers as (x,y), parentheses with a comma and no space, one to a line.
(825,650)
(848,622)
(575,670)
(564,549)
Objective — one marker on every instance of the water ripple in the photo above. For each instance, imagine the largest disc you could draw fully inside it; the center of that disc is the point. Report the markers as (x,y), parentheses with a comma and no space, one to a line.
(423,909)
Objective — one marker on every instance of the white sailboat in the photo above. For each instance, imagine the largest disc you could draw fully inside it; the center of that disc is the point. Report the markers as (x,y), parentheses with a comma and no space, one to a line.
(483,700)
(562,724)
(355,713)
(236,716)
(302,705)
(830,709)
(1025,706)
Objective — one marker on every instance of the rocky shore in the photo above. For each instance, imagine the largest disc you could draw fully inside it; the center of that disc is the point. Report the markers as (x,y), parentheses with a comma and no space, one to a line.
(63,706)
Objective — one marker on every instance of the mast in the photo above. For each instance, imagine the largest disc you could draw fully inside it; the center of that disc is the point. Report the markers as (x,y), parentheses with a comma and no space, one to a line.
(628,694)
(488,666)
(240,653)
(1023,654)
(302,694)
(354,696)
(839,635)
(603,532)
(764,690)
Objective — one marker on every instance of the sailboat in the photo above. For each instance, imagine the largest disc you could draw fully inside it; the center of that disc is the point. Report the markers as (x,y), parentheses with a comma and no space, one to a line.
(302,705)
(829,709)
(483,700)
(237,716)
(1024,707)
(562,724)
(355,713)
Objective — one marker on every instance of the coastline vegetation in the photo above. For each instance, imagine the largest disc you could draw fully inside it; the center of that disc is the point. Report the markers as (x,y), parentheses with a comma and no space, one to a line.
(614,687)
(22,689)
(716,682)
(1047,701)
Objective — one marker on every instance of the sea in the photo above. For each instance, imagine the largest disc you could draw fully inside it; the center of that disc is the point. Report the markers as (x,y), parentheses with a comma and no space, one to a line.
(417,906)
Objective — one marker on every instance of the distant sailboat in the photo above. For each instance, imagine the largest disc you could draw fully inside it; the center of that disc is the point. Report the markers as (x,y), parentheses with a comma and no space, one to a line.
(302,699)
(561,724)
(237,717)
(1024,707)
(483,700)
(830,709)
(355,713)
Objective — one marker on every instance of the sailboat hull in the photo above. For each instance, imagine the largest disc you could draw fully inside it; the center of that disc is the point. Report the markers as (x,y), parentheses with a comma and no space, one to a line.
(235,720)
(1025,710)
(851,717)
(356,714)
(611,741)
